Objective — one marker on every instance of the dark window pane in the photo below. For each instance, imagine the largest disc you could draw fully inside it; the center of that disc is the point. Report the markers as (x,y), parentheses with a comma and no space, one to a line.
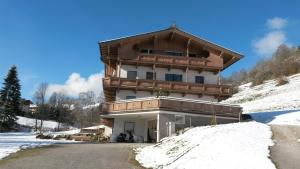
(149,75)
(177,78)
(199,79)
(169,77)
(144,50)
(131,74)
(192,55)
(173,77)
(130,97)
(173,53)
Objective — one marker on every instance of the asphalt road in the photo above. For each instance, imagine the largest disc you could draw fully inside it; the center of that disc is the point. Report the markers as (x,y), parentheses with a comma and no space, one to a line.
(286,152)
(74,156)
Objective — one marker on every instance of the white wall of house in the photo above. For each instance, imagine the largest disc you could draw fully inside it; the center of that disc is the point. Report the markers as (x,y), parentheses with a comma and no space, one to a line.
(209,77)
(121,95)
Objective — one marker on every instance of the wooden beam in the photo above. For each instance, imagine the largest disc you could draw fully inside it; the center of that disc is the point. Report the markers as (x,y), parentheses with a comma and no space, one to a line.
(171,36)
(187,47)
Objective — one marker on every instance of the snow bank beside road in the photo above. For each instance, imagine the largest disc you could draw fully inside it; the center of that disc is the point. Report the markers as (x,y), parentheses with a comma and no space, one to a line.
(229,146)
(13,142)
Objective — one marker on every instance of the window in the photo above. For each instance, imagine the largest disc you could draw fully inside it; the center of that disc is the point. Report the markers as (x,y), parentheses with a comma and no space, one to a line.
(146,51)
(192,55)
(173,53)
(129,127)
(199,79)
(179,119)
(149,75)
(173,77)
(130,97)
(131,74)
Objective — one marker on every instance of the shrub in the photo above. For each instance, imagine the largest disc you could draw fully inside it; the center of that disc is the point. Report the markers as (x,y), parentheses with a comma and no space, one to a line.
(282,80)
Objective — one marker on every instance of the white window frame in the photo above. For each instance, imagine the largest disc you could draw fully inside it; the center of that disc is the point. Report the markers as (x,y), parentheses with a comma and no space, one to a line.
(181,116)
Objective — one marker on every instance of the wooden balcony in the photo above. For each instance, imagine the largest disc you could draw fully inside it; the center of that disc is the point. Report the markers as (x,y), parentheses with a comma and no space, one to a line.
(180,62)
(176,87)
(172,104)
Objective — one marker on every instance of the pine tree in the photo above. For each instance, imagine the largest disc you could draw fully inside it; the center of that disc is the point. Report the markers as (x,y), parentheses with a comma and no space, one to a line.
(10,96)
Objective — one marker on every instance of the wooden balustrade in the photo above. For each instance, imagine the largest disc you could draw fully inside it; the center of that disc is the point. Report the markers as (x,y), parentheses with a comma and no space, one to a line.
(178,87)
(178,105)
(174,61)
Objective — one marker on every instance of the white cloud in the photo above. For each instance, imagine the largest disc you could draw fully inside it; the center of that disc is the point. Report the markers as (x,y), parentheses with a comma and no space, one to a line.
(76,84)
(276,23)
(268,44)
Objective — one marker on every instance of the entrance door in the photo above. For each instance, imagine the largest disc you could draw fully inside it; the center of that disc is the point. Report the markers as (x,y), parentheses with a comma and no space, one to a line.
(152,131)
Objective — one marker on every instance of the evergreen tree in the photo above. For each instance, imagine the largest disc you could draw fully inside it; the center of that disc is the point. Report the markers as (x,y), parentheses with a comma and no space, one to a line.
(10,100)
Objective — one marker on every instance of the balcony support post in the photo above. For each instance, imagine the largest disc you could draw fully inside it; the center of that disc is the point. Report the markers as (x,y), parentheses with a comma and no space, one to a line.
(219,78)
(119,71)
(186,74)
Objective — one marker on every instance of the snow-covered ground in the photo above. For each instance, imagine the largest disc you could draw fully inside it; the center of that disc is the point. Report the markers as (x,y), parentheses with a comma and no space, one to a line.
(47,124)
(269,103)
(13,142)
(229,146)
(24,121)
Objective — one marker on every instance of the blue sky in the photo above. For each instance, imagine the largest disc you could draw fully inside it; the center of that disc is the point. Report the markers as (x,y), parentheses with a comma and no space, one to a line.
(50,41)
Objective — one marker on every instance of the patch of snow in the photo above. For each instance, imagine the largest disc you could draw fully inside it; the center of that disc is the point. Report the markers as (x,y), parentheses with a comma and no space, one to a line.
(91,106)
(95,127)
(25,121)
(229,146)
(268,103)
(62,133)
(13,142)
(47,124)
(268,96)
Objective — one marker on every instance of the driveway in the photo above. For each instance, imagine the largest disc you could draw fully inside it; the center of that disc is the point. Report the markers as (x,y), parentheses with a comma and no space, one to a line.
(286,152)
(74,156)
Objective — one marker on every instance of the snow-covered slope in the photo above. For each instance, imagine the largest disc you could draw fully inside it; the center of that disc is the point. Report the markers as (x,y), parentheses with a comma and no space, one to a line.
(269,103)
(47,124)
(268,96)
(230,146)
(29,122)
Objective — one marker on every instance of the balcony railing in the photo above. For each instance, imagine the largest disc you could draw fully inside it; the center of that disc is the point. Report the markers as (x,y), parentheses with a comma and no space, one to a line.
(177,87)
(172,104)
(174,61)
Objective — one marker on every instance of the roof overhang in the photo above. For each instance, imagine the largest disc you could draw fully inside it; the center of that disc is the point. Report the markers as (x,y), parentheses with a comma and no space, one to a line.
(229,56)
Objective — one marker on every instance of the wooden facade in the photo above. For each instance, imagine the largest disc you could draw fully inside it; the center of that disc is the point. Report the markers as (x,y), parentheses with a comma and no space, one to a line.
(170,48)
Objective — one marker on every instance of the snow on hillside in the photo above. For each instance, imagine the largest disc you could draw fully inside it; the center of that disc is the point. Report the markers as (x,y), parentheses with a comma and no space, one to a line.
(47,124)
(229,146)
(269,103)
(268,96)
(24,121)
(13,142)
